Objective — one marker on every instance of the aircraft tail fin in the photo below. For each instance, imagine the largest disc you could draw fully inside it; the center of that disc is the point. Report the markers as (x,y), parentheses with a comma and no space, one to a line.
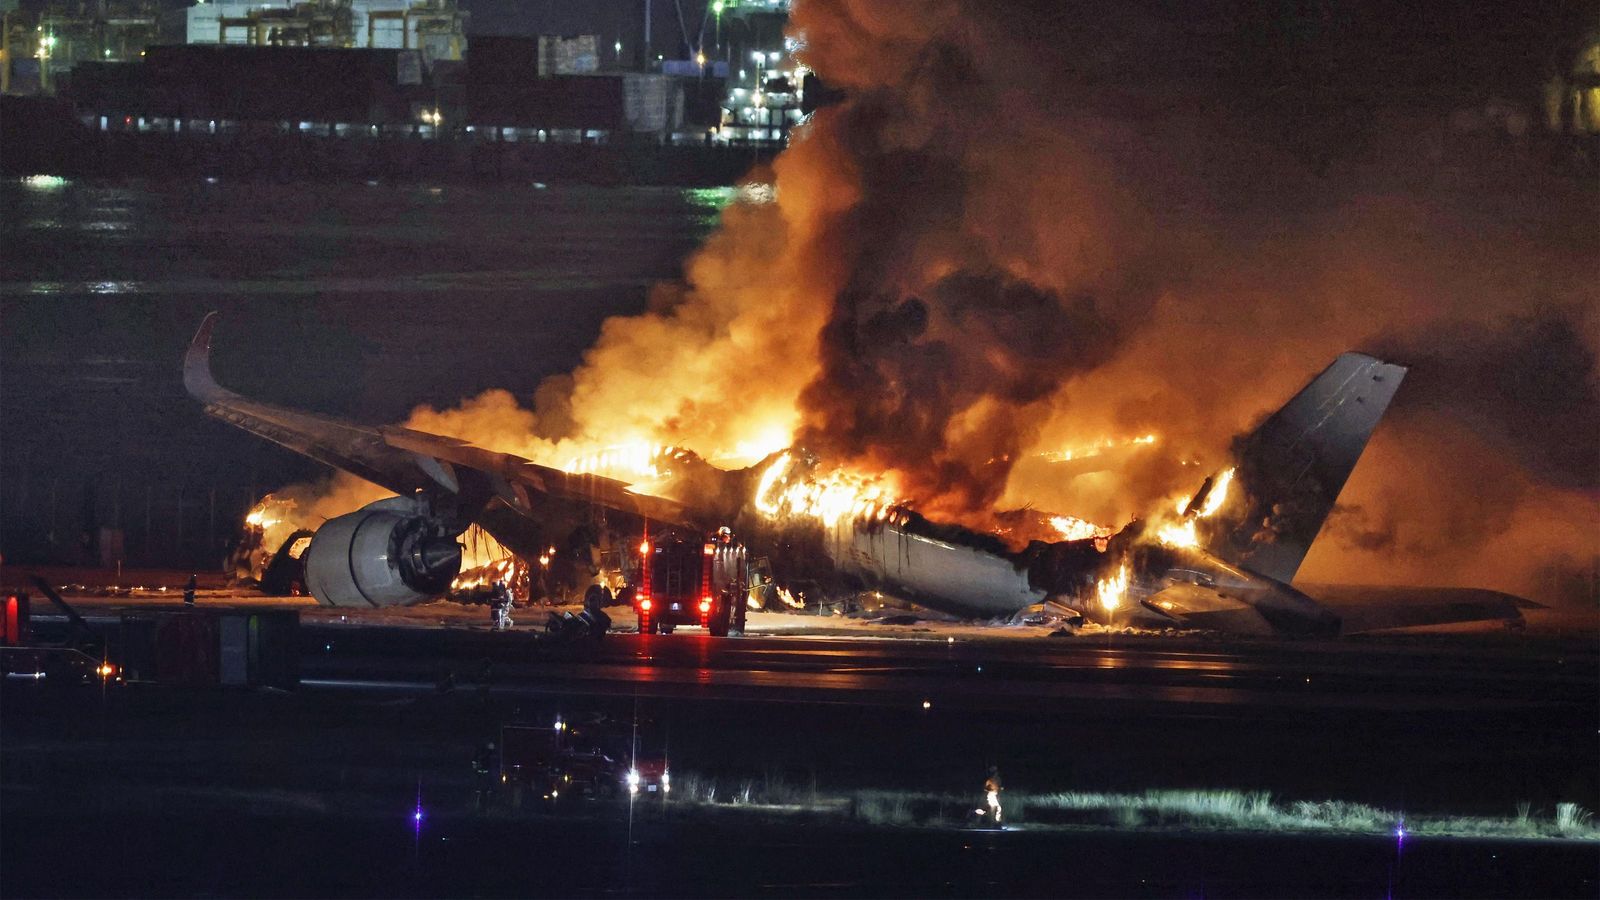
(1290,470)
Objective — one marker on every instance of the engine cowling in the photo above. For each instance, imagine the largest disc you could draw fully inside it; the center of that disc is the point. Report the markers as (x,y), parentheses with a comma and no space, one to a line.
(385,554)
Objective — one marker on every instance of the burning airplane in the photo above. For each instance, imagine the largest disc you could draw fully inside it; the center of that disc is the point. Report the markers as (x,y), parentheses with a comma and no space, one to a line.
(1224,558)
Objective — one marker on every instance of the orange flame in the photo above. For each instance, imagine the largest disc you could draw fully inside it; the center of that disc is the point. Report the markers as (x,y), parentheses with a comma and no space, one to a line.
(788,488)
(1182,532)
(1072,528)
(1098,448)
(1111,592)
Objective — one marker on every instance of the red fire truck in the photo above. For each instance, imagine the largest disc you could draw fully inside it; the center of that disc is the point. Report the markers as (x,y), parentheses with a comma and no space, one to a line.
(689,579)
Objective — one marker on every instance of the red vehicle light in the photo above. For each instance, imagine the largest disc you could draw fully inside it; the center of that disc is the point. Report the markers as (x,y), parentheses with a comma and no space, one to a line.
(11,624)
(644,604)
(705,604)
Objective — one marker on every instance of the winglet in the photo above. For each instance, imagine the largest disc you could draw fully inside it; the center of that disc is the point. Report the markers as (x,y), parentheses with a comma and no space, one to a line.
(197,378)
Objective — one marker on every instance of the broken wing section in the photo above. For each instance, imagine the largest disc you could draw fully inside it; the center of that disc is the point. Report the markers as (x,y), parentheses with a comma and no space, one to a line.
(1293,466)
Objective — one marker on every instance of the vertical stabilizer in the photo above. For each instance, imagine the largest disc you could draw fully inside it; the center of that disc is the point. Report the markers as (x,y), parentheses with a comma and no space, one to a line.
(1289,471)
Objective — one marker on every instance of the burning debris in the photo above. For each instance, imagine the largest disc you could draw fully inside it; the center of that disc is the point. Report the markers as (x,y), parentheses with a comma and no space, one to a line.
(476,585)
(272,542)
(1191,510)
(789,600)
(1113,591)
(792,486)
(638,462)
(1071,528)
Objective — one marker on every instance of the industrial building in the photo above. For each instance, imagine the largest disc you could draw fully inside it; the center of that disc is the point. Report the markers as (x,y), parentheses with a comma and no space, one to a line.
(38,52)
(435,27)
(298,64)
(385,87)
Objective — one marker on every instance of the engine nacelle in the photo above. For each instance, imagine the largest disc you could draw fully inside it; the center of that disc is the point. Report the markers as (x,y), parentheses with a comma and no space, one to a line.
(387,553)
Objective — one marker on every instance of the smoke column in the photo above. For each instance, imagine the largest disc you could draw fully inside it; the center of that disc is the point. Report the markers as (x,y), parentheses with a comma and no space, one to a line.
(1039,225)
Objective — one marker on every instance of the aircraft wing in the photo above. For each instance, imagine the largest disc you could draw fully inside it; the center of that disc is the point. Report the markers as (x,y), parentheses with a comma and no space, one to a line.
(404,460)
(1375,608)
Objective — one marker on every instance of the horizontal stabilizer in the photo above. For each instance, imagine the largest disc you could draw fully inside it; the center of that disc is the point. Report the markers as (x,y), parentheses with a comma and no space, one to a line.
(1374,608)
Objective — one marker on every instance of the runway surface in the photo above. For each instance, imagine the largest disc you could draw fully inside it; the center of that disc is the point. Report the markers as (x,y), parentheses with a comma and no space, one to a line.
(1459,725)
(796,658)
(1051,671)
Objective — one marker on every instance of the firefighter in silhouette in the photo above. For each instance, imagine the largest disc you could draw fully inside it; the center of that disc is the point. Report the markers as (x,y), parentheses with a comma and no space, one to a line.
(484,766)
(991,793)
(500,606)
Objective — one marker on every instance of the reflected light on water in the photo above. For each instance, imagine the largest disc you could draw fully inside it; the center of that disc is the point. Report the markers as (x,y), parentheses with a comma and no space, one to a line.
(710,197)
(113,287)
(79,287)
(44,182)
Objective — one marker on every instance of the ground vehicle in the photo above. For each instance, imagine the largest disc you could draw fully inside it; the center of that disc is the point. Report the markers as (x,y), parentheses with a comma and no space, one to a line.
(686,579)
(546,762)
(565,763)
(78,659)
(649,775)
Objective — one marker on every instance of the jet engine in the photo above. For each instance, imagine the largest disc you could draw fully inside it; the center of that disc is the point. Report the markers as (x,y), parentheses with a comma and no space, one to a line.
(388,553)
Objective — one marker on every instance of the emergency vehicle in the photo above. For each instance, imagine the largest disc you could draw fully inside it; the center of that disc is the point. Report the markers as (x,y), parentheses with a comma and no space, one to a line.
(688,579)
(568,763)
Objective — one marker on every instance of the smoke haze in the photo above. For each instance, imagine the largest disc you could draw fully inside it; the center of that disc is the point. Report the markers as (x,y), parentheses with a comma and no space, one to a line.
(1037,227)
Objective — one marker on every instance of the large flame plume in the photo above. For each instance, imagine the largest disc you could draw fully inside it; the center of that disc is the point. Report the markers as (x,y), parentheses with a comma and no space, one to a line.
(1028,227)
